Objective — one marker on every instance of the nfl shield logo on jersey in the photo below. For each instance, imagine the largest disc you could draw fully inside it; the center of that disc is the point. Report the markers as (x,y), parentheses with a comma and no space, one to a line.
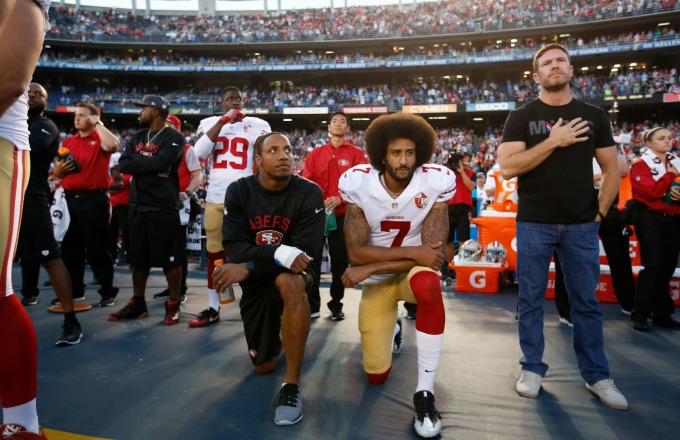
(421,200)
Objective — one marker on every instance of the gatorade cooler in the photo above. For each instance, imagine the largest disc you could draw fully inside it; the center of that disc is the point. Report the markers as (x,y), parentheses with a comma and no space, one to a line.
(501,226)
(478,276)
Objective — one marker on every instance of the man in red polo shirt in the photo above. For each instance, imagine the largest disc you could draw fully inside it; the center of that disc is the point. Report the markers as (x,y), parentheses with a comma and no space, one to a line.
(461,202)
(324,166)
(88,202)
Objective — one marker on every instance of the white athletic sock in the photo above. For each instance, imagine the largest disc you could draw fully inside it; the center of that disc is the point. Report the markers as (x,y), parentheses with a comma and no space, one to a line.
(429,351)
(213,299)
(25,415)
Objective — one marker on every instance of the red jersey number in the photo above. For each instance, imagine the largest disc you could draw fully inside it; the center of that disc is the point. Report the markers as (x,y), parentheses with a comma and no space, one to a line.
(402,229)
(238,147)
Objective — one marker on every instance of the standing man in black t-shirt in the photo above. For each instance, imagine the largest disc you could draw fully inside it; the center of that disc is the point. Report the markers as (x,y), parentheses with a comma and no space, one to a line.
(36,239)
(549,145)
(273,226)
(156,238)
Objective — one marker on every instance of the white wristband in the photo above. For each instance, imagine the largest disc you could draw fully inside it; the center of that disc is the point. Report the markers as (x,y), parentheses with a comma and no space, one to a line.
(285,255)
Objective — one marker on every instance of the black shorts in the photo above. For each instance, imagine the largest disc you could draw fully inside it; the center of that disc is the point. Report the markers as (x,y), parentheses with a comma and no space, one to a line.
(261,310)
(36,239)
(156,238)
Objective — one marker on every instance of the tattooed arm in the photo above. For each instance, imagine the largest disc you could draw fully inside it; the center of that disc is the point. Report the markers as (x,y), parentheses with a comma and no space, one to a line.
(436,226)
(369,260)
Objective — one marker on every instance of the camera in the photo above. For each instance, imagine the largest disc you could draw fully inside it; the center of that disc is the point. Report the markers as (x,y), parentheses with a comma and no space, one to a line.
(453,160)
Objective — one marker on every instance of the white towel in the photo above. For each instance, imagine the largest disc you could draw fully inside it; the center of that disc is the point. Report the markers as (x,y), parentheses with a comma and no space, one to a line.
(656,166)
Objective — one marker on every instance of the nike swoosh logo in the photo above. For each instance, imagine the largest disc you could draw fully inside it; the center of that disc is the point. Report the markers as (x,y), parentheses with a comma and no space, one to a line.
(316,211)
(177,145)
(430,371)
(45,131)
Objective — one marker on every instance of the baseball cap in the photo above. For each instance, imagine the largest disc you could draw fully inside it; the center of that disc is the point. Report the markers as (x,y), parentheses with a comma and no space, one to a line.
(154,101)
(174,120)
(465,151)
(481,175)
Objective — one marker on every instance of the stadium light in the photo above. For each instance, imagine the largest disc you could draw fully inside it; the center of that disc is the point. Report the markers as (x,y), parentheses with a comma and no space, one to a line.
(478,119)
(287,120)
(665,23)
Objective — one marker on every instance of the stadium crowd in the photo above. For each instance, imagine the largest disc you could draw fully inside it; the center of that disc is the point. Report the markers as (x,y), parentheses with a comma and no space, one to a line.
(359,22)
(437,51)
(276,97)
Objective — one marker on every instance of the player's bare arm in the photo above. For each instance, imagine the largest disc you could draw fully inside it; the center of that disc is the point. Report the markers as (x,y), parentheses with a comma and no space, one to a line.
(608,160)
(214,131)
(515,159)
(435,232)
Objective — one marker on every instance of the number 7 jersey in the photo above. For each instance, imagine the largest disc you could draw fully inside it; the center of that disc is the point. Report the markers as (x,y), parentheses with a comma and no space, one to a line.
(232,154)
(396,222)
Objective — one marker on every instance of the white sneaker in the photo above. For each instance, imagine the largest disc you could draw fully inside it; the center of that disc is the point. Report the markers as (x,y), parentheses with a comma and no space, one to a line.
(608,394)
(398,341)
(566,321)
(529,384)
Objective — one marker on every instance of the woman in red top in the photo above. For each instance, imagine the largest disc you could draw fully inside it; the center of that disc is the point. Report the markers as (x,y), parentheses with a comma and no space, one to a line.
(657,229)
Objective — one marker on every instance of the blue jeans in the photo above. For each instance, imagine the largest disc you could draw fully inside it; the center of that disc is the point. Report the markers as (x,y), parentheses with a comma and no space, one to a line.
(578,250)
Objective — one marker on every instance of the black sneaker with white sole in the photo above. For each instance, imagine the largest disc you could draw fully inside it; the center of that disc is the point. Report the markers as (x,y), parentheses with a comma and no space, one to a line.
(71,334)
(29,300)
(56,302)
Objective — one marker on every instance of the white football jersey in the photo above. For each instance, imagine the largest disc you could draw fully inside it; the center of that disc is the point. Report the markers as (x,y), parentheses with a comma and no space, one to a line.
(232,154)
(396,222)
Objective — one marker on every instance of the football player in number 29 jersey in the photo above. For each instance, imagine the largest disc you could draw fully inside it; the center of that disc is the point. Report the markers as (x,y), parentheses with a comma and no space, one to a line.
(395,230)
(229,140)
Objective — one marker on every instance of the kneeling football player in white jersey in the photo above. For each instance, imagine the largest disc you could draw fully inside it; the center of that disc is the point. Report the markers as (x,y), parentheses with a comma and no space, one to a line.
(395,230)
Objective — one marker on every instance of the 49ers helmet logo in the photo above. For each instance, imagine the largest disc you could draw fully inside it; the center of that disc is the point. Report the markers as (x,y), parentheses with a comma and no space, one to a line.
(421,200)
(343,162)
(268,238)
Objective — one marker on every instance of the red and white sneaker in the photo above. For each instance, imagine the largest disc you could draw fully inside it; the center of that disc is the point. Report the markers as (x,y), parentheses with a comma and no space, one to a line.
(171,312)
(205,318)
(14,431)
(135,309)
